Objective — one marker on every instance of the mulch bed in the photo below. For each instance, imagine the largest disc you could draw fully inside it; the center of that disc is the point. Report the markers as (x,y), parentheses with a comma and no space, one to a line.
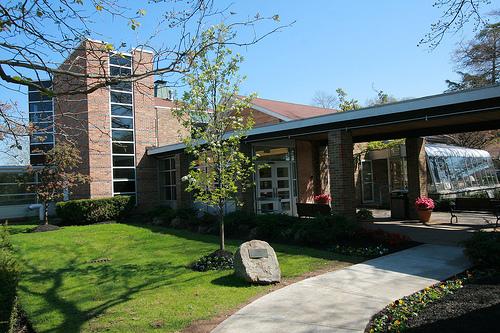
(473,308)
(45,227)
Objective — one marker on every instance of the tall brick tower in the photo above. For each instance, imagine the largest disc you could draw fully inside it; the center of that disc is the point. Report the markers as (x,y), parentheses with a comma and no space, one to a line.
(112,126)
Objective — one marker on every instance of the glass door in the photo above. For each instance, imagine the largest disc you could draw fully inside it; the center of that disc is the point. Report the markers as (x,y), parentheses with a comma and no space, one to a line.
(274,189)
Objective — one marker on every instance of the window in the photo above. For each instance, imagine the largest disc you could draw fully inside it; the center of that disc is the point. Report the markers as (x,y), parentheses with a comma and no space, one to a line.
(168,179)
(367,181)
(121,110)
(123,161)
(126,123)
(122,124)
(41,116)
(122,135)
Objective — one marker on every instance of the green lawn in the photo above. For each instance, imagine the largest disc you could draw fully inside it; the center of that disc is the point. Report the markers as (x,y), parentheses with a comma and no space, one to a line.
(145,286)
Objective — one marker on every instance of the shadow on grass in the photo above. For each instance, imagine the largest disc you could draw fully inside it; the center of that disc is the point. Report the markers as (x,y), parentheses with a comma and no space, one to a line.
(230,280)
(281,248)
(130,278)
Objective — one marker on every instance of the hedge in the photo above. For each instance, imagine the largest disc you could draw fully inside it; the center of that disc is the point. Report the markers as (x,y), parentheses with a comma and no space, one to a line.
(9,278)
(483,249)
(88,211)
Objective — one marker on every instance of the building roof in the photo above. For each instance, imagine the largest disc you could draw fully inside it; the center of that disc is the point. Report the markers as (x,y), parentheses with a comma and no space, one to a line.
(163,103)
(288,111)
(476,109)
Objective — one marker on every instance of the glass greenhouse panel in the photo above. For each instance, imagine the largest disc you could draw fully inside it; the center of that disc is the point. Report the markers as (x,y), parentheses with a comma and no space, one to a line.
(458,169)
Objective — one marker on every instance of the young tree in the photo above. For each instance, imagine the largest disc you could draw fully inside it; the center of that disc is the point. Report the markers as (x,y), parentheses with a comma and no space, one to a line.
(213,111)
(57,175)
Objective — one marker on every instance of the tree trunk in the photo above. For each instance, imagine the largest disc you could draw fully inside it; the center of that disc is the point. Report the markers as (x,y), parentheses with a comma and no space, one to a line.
(221,229)
(46,212)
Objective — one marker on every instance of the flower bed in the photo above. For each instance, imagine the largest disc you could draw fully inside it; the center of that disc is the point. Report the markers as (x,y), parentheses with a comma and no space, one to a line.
(367,251)
(395,316)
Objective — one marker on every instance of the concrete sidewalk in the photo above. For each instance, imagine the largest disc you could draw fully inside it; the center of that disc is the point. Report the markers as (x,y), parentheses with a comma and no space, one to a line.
(345,300)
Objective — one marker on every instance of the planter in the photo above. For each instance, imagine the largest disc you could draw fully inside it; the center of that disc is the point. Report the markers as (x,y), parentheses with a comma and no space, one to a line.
(424,215)
(312,209)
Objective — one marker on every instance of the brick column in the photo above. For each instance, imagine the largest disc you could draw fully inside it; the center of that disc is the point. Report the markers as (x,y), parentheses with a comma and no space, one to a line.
(341,168)
(417,172)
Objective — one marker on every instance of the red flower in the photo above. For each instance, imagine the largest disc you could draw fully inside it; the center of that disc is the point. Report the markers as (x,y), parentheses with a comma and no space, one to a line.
(424,203)
(322,198)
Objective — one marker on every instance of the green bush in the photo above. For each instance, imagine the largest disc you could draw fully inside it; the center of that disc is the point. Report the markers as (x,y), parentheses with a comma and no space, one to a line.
(275,227)
(239,223)
(483,249)
(324,230)
(9,278)
(88,211)
(162,215)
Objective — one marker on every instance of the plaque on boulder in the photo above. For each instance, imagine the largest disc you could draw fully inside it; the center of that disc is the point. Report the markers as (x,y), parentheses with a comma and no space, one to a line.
(256,262)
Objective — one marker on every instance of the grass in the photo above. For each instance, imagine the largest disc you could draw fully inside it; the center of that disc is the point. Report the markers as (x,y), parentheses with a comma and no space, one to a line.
(143,285)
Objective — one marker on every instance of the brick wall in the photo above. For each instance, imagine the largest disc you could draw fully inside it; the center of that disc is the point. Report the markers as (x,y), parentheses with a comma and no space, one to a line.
(306,171)
(145,131)
(417,171)
(341,166)
(260,118)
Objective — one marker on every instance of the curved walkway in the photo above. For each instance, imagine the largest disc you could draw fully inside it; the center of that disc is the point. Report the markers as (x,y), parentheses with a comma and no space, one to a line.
(345,300)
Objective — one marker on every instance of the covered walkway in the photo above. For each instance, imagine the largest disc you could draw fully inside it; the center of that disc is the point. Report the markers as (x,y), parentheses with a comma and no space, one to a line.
(438,230)
(345,300)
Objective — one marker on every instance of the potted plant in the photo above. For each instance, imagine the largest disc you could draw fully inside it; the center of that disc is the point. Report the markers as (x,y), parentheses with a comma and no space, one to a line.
(324,199)
(424,207)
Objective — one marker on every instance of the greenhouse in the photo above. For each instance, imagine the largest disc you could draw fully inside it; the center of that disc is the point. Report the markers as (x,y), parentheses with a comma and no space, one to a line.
(458,170)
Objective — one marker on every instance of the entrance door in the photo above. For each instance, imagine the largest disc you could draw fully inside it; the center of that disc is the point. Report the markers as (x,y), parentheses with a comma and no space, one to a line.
(274,189)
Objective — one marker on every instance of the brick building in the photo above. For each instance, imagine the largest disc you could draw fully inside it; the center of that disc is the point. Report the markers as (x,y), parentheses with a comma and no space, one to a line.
(130,140)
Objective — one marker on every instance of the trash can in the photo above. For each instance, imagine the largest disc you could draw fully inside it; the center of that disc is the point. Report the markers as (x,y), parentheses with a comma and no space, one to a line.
(399,204)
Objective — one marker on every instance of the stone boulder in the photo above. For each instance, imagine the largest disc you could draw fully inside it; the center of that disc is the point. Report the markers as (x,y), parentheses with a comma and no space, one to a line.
(256,262)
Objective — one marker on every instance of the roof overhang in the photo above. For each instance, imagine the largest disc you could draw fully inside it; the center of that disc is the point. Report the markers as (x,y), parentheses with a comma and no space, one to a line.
(471,110)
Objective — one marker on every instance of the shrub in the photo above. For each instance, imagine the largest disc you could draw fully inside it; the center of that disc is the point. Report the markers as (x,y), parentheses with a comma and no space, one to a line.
(161,215)
(364,215)
(218,260)
(9,278)
(239,223)
(88,211)
(324,230)
(483,249)
(275,227)
(379,236)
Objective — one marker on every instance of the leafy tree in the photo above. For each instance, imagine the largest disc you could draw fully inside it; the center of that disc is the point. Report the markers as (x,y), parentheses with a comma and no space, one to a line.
(479,64)
(57,175)
(346,104)
(479,60)
(220,170)
(382,98)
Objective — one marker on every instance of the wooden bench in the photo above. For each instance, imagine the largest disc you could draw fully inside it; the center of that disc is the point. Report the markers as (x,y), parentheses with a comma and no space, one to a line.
(474,205)
(312,209)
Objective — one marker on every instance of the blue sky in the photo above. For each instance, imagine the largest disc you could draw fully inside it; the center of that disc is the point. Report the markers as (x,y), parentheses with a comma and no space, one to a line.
(355,45)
